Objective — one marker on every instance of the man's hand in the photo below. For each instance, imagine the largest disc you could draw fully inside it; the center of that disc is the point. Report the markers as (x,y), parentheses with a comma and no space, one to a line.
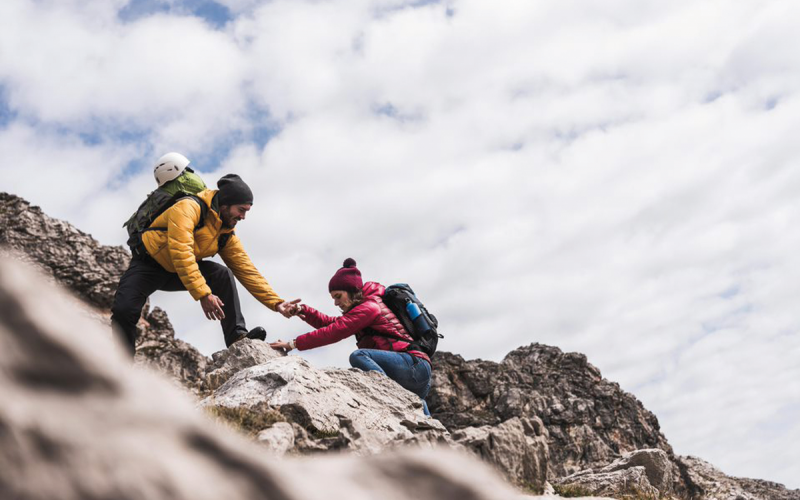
(289,309)
(212,307)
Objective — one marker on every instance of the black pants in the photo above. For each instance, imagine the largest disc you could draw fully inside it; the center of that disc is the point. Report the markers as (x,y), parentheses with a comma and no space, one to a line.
(145,276)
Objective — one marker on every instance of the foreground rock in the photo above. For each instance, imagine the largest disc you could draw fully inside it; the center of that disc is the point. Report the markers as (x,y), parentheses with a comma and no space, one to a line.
(84,424)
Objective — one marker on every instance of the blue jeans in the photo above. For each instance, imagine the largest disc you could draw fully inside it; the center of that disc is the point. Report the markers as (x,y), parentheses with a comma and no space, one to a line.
(412,373)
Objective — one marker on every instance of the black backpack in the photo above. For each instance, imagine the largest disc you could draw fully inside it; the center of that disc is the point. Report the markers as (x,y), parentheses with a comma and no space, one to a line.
(187,185)
(398,298)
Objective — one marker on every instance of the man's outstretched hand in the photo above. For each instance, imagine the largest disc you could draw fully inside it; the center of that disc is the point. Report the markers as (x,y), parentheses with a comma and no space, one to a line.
(289,309)
(212,307)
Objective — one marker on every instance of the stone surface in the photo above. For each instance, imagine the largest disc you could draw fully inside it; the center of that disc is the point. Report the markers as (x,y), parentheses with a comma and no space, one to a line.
(243,354)
(158,348)
(517,448)
(86,425)
(590,421)
(711,483)
(646,472)
(279,438)
(365,411)
(72,257)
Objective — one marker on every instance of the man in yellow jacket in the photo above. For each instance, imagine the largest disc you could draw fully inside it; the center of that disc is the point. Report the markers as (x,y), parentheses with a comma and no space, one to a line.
(176,247)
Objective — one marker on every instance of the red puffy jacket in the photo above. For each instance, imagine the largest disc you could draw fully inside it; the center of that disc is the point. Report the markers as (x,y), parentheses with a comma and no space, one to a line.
(371,314)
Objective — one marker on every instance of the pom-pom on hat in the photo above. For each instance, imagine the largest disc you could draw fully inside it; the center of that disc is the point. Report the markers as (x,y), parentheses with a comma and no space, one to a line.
(348,278)
(233,191)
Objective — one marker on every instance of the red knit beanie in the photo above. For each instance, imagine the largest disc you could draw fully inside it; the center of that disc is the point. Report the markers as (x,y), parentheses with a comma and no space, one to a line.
(348,278)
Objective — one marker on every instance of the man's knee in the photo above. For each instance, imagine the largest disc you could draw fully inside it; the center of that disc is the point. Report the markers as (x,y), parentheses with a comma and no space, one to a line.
(125,313)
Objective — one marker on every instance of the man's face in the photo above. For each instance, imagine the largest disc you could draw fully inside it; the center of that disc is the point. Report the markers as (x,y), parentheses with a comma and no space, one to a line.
(232,214)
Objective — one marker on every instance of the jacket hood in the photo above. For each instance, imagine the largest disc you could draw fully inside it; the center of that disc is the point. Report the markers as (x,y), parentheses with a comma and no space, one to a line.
(372,289)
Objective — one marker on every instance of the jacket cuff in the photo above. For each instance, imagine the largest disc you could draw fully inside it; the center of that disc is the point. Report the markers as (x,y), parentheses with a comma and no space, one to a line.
(300,342)
(199,293)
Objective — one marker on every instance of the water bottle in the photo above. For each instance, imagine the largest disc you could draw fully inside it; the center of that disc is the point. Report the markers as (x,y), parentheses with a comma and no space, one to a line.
(420,323)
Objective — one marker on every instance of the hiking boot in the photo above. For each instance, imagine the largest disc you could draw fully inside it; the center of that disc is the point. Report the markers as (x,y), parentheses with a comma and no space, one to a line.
(257,333)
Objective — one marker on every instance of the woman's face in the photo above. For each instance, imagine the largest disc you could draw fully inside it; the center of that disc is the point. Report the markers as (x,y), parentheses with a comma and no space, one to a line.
(341,299)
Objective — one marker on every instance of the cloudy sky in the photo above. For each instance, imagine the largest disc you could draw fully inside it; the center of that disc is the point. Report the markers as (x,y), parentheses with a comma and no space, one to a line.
(619,178)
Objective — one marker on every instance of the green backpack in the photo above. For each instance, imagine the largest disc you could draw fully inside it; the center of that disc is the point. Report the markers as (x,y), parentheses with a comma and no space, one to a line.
(186,185)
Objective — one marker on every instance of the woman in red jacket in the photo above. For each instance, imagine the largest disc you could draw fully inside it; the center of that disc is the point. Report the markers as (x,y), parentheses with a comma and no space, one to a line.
(383,344)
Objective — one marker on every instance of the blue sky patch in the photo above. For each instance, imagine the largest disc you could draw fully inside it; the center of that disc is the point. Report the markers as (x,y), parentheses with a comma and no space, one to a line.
(7,115)
(217,15)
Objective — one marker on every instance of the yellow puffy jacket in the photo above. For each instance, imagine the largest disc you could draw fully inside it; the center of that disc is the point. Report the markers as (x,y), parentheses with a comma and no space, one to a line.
(175,245)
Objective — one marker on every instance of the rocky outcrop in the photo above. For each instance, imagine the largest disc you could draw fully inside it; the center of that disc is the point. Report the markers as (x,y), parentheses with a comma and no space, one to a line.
(709,482)
(589,420)
(85,424)
(72,257)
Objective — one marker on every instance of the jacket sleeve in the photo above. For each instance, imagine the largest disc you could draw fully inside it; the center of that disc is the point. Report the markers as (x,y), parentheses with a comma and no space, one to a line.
(315,318)
(181,220)
(239,262)
(350,323)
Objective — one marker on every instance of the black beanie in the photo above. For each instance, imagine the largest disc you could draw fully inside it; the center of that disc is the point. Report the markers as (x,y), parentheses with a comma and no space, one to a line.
(233,191)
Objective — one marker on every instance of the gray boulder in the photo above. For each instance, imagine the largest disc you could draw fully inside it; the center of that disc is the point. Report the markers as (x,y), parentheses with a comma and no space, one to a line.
(364,411)
(243,354)
(517,448)
(646,473)
(711,483)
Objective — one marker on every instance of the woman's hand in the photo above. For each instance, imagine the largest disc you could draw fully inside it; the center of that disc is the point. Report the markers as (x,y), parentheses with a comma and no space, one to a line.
(281,346)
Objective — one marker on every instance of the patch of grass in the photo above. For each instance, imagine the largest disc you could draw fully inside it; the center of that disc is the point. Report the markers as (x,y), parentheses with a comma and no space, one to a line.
(531,489)
(575,490)
(572,491)
(317,434)
(248,421)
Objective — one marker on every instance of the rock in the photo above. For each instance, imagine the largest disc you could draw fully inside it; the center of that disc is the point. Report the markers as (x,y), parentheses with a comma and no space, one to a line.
(709,482)
(72,257)
(589,420)
(278,439)
(366,411)
(516,447)
(243,354)
(643,472)
(85,424)
(625,483)
(158,348)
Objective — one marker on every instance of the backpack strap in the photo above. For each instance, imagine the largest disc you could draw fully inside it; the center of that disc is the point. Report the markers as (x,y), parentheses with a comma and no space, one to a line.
(139,250)
(223,240)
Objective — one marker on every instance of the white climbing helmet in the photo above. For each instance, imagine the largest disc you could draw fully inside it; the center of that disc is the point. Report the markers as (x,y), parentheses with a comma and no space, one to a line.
(169,167)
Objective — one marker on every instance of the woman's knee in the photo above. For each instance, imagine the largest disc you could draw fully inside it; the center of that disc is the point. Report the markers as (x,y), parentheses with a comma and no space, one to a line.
(357,358)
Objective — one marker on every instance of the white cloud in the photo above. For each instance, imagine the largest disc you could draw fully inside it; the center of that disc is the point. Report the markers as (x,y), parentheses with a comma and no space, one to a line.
(618,179)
